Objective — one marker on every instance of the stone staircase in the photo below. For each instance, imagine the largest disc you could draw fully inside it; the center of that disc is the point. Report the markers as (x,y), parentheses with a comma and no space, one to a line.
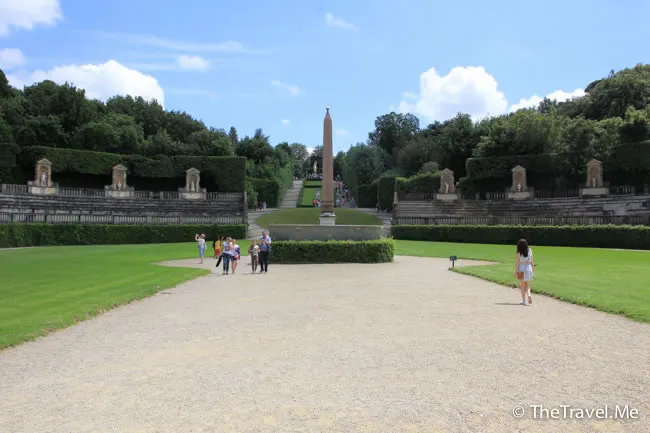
(290,199)
(254,229)
(563,206)
(385,217)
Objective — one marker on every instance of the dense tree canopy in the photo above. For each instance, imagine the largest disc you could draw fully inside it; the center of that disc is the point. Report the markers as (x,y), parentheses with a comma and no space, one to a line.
(60,116)
(613,114)
(614,111)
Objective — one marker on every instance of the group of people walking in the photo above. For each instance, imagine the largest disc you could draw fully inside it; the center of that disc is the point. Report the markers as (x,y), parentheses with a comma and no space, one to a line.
(227,251)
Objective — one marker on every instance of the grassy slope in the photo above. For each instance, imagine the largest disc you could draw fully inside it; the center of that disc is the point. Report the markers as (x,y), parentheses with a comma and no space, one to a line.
(612,281)
(308,196)
(49,288)
(310,216)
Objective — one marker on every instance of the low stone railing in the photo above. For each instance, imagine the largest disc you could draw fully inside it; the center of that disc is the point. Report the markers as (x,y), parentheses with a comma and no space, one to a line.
(6,218)
(532,221)
(138,195)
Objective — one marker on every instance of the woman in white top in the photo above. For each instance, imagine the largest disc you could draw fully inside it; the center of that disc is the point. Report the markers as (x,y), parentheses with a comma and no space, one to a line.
(200,240)
(524,269)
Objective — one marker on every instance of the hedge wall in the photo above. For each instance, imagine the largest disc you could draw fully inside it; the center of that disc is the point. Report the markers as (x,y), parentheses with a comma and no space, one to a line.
(218,173)
(367,195)
(421,183)
(294,252)
(386,191)
(597,236)
(634,156)
(30,235)
(272,190)
(544,172)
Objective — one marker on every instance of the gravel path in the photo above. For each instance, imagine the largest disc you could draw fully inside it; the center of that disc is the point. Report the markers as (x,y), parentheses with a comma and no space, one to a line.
(400,347)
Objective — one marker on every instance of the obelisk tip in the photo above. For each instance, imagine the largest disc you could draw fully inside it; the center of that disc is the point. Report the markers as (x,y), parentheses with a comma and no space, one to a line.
(327,108)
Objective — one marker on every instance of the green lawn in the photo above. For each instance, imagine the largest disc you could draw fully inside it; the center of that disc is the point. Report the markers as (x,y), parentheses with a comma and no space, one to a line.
(307,197)
(48,288)
(311,215)
(611,281)
(312,183)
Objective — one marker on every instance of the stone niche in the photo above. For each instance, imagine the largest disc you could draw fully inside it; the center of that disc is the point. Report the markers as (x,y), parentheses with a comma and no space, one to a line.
(594,184)
(447,191)
(193,190)
(42,183)
(119,188)
(519,189)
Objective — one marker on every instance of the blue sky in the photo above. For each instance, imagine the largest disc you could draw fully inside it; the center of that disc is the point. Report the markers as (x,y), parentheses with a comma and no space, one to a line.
(276,65)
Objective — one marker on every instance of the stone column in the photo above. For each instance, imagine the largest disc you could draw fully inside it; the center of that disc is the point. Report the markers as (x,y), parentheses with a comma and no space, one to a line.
(327,216)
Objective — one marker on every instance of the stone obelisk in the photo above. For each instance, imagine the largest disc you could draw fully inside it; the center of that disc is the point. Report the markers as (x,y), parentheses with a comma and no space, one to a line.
(327,216)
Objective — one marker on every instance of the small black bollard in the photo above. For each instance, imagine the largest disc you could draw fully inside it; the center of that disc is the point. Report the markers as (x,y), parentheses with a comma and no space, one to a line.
(453,259)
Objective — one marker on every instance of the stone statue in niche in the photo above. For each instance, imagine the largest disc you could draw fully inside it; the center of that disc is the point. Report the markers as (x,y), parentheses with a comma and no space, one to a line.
(446,187)
(43,178)
(593,182)
(192,187)
(519,187)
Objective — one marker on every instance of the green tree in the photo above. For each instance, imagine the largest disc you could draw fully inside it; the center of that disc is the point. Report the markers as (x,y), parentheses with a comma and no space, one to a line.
(392,132)
(234,138)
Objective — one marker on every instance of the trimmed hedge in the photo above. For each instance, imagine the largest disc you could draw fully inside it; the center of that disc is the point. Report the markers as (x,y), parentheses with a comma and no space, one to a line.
(218,173)
(596,236)
(35,234)
(367,195)
(271,190)
(633,157)
(386,191)
(295,252)
(420,183)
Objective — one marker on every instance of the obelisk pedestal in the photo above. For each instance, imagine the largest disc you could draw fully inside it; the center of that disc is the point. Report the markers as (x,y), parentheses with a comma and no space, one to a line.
(327,216)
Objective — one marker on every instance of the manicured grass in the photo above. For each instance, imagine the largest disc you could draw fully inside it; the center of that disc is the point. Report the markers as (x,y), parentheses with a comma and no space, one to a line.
(311,215)
(611,281)
(312,183)
(48,288)
(307,197)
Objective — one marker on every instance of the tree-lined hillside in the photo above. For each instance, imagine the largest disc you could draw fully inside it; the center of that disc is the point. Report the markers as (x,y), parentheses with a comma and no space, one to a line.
(555,139)
(60,116)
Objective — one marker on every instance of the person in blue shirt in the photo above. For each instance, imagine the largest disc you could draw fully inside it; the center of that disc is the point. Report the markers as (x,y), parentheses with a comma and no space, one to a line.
(265,250)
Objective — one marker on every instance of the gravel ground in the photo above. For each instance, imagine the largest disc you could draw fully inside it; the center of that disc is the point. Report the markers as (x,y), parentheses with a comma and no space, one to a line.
(400,347)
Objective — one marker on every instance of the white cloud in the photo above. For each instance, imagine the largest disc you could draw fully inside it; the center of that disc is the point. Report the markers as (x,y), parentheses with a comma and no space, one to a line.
(27,14)
(11,58)
(342,132)
(285,122)
(469,90)
(101,81)
(333,21)
(558,95)
(192,63)
(293,90)
(310,150)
